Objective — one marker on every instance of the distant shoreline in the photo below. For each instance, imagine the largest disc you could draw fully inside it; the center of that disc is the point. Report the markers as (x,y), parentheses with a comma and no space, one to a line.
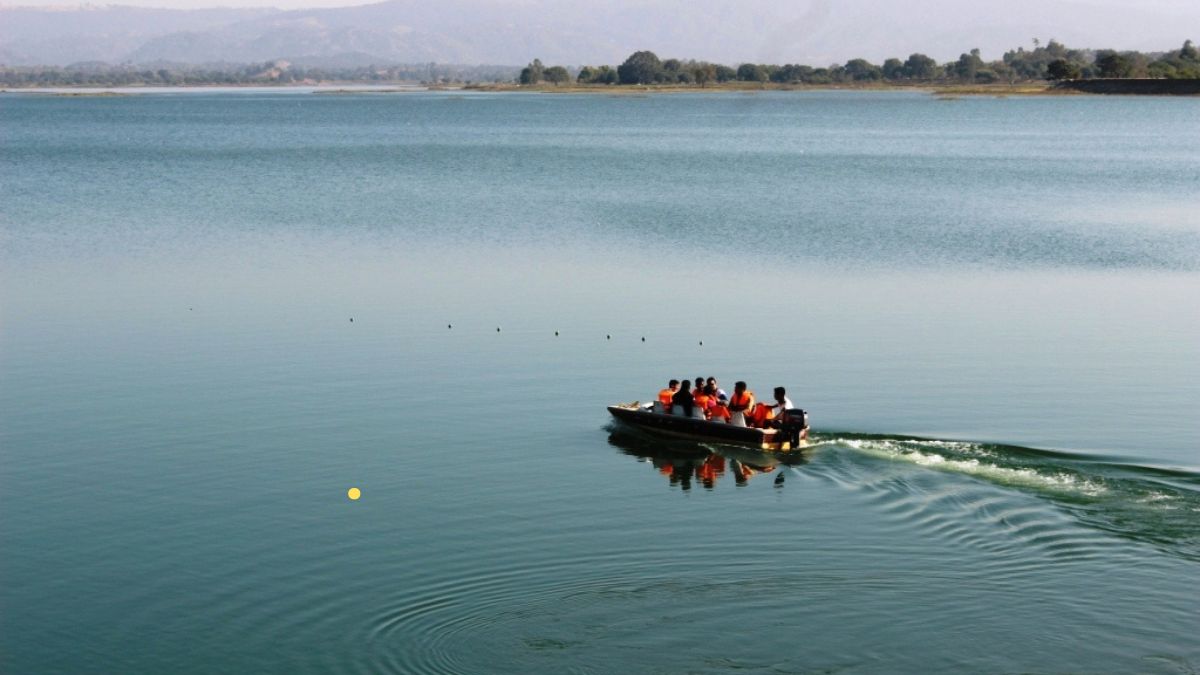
(343,88)
(1130,87)
(1124,86)
(1024,89)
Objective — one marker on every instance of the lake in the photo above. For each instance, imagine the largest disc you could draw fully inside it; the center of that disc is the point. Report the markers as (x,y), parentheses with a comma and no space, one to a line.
(219,311)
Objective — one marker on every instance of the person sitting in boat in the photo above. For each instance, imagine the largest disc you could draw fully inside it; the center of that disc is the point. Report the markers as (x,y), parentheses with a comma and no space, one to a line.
(741,403)
(664,396)
(712,382)
(682,402)
(764,413)
(719,411)
(701,398)
(699,388)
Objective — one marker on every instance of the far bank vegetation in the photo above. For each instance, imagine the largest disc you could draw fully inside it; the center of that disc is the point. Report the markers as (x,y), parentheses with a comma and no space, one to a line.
(1052,61)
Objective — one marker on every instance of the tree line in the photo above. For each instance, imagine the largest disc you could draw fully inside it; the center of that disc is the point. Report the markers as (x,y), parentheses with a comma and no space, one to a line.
(1052,61)
(271,72)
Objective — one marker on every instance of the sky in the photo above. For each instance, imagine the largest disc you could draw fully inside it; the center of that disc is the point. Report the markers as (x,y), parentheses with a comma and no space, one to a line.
(1168,5)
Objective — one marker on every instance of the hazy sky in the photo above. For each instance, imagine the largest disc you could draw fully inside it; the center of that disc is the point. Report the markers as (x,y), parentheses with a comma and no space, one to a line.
(1184,6)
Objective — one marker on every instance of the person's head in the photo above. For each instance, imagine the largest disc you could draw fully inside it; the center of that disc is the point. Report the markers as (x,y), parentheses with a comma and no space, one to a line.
(700,383)
(710,389)
(739,387)
(673,384)
(780,394)
(685,385)
(712,382)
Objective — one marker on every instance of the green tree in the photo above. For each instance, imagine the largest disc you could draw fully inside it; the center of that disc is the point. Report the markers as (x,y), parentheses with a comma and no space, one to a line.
(726,74)
(640,68)
(1163,69)
(1112,64)
(1189,53)
(861,70)
(750,72)
(597,75)
(704,73)
(893,69)
(557,75)
(1002,71)
(792,73)
(920,67)
(1183,64)
(1062,69)
(968,65)
(818,76)
(533,73)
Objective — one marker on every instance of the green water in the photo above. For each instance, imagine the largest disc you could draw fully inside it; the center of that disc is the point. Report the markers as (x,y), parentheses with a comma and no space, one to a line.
(218,312)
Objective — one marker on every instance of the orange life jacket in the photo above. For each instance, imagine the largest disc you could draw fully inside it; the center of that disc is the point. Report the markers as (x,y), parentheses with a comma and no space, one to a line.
(665,397)
(762,413)
(741,403)
(719,410)
(700,401)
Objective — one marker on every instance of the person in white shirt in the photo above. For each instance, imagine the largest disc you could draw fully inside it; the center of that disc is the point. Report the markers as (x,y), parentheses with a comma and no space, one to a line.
(782,402)
(764,412)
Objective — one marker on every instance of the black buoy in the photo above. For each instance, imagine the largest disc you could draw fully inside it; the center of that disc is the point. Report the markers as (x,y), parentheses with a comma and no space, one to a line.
(643,339)
(449,326)
(607,337)
(702,343)
(497,329)
(351,319)
(555,333)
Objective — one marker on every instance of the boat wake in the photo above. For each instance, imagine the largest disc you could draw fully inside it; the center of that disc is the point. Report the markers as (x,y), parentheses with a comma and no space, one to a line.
(1152,505)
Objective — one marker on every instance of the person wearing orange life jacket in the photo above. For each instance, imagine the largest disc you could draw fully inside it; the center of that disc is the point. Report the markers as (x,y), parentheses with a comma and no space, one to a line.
(719,411)
(701,397)
(665,395)
(742,400)
(764,413)
(698,390)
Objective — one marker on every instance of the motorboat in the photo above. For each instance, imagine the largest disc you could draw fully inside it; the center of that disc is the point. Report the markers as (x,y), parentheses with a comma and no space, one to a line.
(789,431)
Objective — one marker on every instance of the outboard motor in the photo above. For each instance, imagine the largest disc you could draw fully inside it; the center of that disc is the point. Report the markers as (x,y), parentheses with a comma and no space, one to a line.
(794,425)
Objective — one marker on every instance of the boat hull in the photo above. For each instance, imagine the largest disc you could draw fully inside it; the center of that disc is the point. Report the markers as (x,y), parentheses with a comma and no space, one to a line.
(691,428)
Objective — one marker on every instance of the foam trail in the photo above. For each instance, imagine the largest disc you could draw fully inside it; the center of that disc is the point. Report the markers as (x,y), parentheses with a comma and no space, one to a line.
(1147,504)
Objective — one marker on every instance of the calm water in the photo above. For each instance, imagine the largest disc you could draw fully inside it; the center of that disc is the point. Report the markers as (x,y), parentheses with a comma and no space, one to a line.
(220,311)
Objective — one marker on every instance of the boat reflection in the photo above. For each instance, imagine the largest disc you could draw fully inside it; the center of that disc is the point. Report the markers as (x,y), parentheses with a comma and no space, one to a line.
(688,463)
